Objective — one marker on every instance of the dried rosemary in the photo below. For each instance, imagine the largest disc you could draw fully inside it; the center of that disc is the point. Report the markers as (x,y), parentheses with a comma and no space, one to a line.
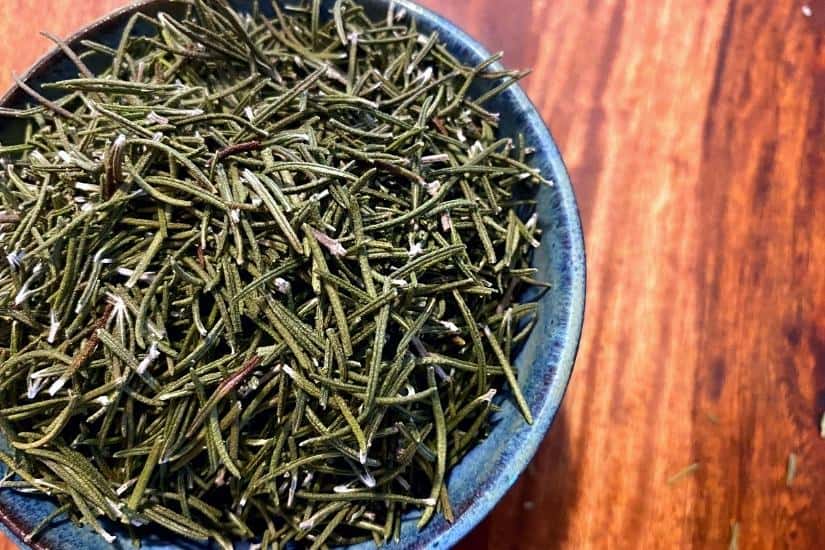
(260,275)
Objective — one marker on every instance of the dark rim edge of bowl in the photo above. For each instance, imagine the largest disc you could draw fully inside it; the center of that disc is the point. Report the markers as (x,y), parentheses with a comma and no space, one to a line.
(564,368)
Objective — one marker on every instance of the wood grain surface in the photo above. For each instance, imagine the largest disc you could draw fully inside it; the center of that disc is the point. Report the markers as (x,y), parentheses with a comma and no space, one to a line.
(694,131)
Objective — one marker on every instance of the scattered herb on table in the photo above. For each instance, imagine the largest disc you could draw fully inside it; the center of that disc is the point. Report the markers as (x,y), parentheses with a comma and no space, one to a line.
(791,473)
(683,473)
(734,536)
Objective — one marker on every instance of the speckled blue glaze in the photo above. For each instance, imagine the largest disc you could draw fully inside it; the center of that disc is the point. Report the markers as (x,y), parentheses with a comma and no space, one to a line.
(544,364)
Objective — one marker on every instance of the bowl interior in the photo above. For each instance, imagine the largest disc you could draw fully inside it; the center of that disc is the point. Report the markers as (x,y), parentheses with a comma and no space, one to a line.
(544,363)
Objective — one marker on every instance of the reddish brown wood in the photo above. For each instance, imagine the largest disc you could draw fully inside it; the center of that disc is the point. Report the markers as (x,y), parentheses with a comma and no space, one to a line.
(695,134)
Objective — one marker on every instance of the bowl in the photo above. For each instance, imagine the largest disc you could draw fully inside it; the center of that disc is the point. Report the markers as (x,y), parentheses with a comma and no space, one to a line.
(544,364)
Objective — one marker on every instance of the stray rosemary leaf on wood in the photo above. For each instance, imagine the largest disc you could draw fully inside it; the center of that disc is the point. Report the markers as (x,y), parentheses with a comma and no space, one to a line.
(683,473)
(791,472)
(734,536)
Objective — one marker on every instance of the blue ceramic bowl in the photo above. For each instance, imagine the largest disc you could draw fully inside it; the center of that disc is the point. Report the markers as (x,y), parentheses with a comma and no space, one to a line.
(544,364)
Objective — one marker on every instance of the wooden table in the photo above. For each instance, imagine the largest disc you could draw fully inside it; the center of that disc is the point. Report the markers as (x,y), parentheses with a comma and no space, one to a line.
(695,135)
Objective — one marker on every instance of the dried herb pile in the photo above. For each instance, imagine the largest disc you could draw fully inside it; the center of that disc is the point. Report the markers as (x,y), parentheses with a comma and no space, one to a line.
(258,276)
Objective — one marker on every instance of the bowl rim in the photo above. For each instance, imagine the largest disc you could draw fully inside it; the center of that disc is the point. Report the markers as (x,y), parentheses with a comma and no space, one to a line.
(476,512)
